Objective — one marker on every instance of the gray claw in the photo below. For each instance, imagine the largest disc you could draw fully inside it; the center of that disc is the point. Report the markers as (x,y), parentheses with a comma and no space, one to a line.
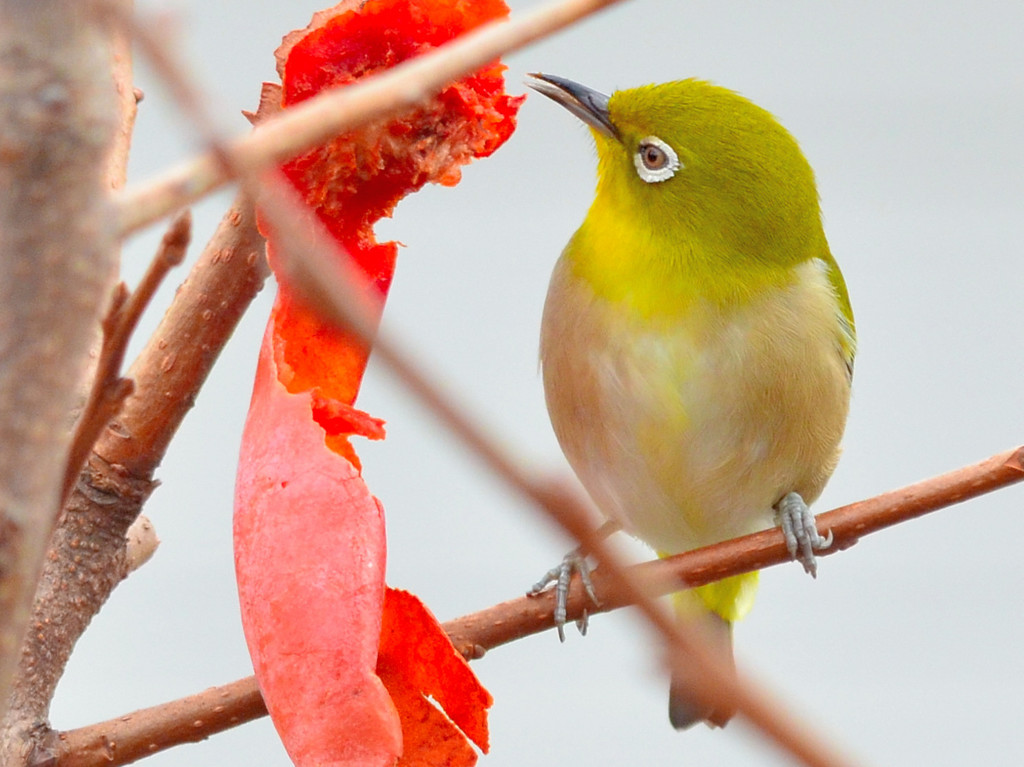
(801,532)
(561,576)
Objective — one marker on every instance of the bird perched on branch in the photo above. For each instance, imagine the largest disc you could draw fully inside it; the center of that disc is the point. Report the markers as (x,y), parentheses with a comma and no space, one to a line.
(697,342)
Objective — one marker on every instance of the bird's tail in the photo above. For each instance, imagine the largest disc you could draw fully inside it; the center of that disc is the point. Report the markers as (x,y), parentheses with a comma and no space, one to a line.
(683,710)
(712,608)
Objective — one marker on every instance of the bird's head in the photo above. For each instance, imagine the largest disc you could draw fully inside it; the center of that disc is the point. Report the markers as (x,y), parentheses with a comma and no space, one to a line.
(698,162)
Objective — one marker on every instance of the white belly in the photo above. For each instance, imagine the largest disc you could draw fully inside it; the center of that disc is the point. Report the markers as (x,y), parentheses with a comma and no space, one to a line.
(688,434)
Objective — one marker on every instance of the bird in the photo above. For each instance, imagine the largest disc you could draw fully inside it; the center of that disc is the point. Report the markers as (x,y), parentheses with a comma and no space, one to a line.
(697,339)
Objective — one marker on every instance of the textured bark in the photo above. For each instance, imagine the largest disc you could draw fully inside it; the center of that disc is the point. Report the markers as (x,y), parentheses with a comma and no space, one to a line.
(172,368)
(57,263)
(87,560)
(142,733)
(87,557)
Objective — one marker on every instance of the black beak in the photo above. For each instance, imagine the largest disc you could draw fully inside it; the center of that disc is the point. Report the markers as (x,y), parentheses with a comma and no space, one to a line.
(588,105)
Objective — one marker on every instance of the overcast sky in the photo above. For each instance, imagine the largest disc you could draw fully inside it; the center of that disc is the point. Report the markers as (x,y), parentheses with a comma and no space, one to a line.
(907,648)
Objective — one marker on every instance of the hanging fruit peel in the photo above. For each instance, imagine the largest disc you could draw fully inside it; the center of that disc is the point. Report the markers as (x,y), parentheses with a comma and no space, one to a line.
(345,665)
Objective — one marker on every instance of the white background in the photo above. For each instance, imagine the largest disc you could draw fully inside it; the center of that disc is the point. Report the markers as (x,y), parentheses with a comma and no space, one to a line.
(907,649)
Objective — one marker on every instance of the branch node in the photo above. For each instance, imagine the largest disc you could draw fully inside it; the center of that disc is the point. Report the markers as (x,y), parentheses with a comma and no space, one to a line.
(141,543)
(1015,461)
(177,238)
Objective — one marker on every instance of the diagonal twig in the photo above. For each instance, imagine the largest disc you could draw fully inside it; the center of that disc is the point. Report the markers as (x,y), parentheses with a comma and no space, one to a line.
(109,390)
(320,118)
(320,272)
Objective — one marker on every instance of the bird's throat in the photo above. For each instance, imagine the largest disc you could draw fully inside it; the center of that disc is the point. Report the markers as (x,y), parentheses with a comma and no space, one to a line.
(659,277)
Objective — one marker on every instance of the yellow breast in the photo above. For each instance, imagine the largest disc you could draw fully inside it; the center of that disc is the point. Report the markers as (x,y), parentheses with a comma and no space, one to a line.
(688,427)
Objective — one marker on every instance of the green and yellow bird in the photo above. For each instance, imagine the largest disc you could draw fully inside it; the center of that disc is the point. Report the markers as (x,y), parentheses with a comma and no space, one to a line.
(697,342)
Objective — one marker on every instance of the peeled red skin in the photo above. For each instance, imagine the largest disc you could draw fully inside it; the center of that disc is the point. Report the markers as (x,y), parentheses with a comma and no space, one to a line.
(310,546)
(310,553)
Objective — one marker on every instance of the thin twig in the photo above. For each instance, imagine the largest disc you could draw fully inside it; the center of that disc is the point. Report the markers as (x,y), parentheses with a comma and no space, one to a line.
(150,730)
(115,742)
(109,390)
(319,119)
(128,97)
(323,274)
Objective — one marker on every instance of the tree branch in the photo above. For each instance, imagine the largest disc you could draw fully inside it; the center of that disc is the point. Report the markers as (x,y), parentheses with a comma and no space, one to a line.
(142,733)
(120,67)
(313,122)
(321,271)
(518,618)
(87,556)
(57,263)
(109,390)
(125,739)
(172,368)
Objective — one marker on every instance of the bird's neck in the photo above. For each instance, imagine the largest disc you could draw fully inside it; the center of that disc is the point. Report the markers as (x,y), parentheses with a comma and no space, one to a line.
(667,275)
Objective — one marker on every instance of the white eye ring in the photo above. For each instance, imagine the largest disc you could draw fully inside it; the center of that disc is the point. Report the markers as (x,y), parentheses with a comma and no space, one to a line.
(655,160)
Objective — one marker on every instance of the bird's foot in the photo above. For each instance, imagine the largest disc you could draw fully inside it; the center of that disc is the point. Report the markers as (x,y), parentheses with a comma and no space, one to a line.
(801,532)
(561,575)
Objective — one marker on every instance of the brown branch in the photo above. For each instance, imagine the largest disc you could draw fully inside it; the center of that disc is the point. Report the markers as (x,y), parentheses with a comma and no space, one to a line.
(120,68)
(321,272)
(125,739)
(57,262)
(173,366)
(87,556)
(322,117)
(109,390)
(142,733)
(521,617)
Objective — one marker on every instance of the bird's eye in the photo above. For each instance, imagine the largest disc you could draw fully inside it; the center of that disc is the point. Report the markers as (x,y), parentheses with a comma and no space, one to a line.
(655,160)
(653,156)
